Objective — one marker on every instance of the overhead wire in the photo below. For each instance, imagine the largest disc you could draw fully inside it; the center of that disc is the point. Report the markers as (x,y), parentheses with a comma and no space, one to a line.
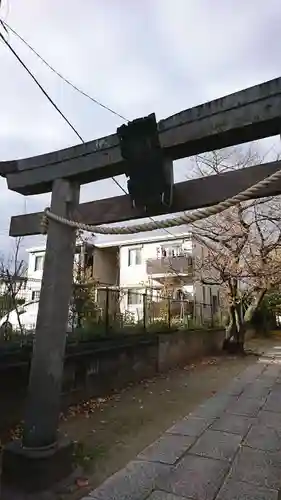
(45,92)
(66,80)
(8,44)
(40,86)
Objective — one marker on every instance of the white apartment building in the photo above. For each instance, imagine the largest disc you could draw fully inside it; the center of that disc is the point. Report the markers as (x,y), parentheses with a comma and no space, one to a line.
(36,256)
(138,266)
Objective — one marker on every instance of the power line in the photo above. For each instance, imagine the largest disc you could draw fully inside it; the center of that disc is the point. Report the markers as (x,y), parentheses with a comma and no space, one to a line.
(5,25)
(61,113)
(66,80)
(48,97)
(40,87)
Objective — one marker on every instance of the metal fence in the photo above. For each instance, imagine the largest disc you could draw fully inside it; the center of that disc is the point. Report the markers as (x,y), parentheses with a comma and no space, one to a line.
(113,310)
(100,311)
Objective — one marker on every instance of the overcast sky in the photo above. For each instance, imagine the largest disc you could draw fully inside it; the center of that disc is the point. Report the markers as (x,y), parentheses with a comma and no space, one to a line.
(139,57)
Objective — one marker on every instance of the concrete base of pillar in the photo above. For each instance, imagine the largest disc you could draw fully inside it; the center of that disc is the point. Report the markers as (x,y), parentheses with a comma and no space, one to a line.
(27,471)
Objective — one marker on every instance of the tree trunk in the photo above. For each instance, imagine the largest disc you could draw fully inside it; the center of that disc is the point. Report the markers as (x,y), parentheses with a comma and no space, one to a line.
(235,332)
(248,316)
(231,342)
(231,329)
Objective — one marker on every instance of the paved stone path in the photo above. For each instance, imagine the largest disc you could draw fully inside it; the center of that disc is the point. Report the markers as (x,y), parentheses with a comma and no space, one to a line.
(229,448)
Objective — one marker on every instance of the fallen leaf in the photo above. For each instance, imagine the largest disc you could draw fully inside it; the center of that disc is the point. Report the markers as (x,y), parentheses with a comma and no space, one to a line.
(81,482)
(101,400)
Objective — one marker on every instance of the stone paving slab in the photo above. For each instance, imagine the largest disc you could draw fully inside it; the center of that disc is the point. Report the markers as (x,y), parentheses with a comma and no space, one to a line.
(264,438)
(191,426)
(266,381)
(256,390)
(252,372)
(272,370)
(245,407)
(233,490)
(134,482)
(161,495)
(195,477)
(217,444)
(228,448)
(233,424)
(258,468)
(214,406)
(273,403)
(167,450)
(269,419)
(235,389)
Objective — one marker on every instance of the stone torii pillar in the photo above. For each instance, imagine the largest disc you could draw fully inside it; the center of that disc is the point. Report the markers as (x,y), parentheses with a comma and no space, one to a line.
(41,459)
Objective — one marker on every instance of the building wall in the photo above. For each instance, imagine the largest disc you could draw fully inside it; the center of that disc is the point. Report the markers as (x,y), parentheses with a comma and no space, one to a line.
(207,296)
(130,275)
(34,276)
(134,276)
(106,266)
(111,266)
(105,269)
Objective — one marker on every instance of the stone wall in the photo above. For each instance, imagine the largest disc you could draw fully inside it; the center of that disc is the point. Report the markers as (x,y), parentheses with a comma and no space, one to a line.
(103,368)
(98,367)
(179,348)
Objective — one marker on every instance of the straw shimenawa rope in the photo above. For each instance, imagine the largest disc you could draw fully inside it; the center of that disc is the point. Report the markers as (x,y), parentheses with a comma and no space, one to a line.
(185,218)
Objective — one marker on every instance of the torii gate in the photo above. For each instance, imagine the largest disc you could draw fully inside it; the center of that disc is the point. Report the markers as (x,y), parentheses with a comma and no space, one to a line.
(248,115)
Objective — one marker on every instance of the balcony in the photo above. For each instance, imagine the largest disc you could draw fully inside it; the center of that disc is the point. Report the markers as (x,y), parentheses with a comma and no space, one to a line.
(170,266)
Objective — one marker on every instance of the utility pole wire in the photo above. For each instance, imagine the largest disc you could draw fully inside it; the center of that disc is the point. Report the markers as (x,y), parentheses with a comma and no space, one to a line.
(50,99)
(66,80)
(40,87)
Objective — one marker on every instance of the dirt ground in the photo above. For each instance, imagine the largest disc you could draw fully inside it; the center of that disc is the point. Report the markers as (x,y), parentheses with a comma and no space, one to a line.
(112,431)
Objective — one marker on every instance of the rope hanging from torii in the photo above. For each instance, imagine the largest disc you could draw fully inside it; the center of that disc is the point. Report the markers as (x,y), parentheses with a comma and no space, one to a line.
(185,218)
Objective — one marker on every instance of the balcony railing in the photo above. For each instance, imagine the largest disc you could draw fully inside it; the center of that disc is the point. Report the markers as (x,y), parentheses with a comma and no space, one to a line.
(165,265)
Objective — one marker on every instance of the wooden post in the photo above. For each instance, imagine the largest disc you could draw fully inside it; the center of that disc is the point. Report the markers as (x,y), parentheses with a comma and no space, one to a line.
(43,401)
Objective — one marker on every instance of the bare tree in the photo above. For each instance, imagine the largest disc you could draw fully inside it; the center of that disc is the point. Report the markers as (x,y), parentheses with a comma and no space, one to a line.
(13,277)
(243,247)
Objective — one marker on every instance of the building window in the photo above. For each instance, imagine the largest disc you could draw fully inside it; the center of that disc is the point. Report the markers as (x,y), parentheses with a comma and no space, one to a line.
(134,257)
(134,297)
(171,250)
(39,262)
(35,295)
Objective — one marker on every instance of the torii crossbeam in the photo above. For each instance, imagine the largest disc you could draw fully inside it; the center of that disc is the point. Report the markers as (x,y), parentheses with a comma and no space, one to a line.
(250,114)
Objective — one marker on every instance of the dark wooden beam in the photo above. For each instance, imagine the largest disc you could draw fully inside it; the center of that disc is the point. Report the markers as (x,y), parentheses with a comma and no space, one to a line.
(188,195)
(244,116)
